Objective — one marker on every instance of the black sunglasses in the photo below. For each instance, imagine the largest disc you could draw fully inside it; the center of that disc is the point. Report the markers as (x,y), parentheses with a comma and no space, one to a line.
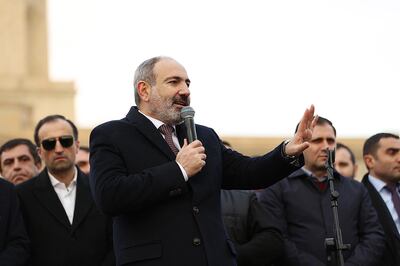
(50,144)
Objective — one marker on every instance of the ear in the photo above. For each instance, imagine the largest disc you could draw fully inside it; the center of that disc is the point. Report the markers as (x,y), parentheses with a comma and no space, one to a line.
(369,161)
(143,89)
(38,165)
(77,145)
(39,151)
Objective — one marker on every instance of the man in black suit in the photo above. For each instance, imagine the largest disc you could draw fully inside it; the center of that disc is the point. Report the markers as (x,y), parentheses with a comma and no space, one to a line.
(382,158)
(62,220)
(14,243)
(163,192)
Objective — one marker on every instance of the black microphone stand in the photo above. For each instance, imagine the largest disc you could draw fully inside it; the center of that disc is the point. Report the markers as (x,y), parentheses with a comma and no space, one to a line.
(334,246)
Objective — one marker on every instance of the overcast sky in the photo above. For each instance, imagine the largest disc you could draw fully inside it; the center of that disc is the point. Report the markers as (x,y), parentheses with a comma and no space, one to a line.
(254,65)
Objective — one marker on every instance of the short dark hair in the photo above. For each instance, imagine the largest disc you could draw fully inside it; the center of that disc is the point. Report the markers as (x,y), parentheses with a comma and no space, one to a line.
(321,121)
(342,146)
(371,145)
(51,118)
(12,143)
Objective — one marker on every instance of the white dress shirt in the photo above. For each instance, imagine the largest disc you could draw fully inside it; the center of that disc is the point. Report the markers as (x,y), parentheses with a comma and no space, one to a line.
(157,123)
(387,198)
(67,195)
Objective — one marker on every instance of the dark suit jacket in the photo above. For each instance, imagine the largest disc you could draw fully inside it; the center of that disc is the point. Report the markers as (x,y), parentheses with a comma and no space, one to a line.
(159,219)
(14,243)
(392,251)
(55,242)
(304,214)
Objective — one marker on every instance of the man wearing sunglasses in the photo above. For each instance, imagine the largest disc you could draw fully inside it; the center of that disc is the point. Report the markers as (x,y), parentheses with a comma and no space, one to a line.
(64,225)
(164,192)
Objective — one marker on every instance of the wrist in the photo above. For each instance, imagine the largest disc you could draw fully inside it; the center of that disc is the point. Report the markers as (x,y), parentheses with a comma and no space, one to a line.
(284,153)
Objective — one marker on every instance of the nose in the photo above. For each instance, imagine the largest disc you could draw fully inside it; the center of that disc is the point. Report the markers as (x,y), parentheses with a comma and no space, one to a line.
(58,148)
(184,90)
(398,157)
(17,165)
(328,145)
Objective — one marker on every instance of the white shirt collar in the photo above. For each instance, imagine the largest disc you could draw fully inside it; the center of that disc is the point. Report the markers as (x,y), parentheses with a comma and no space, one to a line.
(54,181)
(377,183)
(157,123)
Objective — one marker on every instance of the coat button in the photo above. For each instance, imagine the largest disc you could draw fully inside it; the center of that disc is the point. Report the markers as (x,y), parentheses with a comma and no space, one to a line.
(196,241)
(196,210)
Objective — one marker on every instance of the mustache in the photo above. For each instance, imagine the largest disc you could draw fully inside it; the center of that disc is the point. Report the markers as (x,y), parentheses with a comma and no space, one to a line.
(182,100)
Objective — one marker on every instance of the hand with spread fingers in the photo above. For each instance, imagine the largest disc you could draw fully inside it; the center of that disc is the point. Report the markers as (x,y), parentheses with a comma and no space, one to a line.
(299,142)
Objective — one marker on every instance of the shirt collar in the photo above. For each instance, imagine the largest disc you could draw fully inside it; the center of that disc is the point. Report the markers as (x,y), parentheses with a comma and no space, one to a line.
(308,172)
(377,183)
(54,181)
(157,123)
(303,172)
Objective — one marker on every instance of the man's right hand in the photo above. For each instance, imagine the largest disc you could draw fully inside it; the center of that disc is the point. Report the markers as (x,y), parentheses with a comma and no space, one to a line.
(192,157)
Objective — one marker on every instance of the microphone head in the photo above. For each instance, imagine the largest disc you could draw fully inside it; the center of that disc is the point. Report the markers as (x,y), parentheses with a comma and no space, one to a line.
(331,156)
(187,112)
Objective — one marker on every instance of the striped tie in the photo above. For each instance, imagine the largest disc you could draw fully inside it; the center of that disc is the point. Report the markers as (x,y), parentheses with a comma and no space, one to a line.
(167,130)
(395,197)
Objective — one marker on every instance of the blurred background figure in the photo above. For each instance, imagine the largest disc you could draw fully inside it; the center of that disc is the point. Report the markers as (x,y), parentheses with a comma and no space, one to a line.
(345,161)
(14,242)
(19,160)
(257,241)
(82,159)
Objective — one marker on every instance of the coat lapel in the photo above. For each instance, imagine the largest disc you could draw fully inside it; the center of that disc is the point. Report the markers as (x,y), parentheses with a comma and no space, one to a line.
(46,195)
(149,131)
(83,200)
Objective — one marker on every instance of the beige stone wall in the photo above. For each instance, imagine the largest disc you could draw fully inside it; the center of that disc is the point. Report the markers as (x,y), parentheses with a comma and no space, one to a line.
(12,38)
(26,93)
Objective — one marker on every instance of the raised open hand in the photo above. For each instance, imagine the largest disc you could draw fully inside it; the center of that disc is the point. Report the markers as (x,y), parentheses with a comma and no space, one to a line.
(299,142)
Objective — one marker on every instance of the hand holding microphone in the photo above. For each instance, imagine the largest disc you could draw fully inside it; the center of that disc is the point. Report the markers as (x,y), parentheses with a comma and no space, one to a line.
(192,155)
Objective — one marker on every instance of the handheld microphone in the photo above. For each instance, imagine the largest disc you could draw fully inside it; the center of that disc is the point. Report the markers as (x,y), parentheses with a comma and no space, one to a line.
(187,114)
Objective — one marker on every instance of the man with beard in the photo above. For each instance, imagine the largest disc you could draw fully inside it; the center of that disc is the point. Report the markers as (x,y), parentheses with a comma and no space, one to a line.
(302,207)
(63,223)
(163,192)
(382,158)
(19,160)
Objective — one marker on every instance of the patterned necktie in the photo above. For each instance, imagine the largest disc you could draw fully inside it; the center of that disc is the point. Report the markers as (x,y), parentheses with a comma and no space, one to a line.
(167,130)
(395,197)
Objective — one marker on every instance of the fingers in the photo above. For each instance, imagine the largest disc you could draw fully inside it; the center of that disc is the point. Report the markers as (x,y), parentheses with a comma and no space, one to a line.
(314,122)
(308,120)
(302,147)
(185,143)
(192,157)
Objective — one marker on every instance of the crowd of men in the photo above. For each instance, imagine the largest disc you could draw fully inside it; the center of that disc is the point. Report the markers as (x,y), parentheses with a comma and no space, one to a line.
(52,213)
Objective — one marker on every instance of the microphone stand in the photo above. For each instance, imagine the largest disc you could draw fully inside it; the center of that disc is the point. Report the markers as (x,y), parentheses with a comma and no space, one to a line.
(334,246)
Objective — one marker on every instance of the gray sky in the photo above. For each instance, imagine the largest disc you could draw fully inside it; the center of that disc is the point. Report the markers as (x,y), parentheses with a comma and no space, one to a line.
(255,65)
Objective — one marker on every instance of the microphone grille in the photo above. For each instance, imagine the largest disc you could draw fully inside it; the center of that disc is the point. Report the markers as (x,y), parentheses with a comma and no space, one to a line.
(186,112)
